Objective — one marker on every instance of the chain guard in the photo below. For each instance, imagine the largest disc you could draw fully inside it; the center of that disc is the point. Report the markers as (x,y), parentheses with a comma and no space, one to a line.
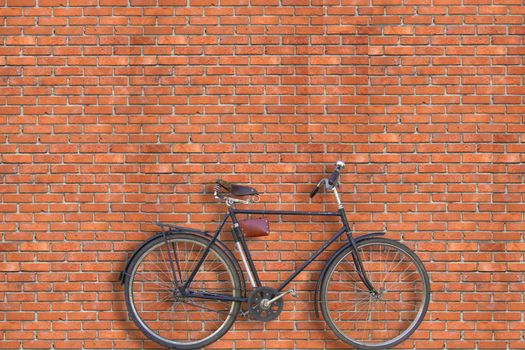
(257,311)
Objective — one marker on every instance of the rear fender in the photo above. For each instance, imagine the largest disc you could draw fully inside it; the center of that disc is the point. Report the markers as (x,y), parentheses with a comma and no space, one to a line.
(124,273)
(317,294)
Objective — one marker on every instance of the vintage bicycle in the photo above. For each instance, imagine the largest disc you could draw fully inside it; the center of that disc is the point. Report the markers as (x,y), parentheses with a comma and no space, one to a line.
(184,287)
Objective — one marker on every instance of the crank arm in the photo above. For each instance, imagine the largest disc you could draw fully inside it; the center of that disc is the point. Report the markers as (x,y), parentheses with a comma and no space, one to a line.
(291,291)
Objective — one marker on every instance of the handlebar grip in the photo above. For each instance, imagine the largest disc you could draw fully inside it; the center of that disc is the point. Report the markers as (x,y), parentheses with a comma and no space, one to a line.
(332,181)
(314,191)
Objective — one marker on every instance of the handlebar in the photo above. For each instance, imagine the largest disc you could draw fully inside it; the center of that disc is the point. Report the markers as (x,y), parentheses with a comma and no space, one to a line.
(330,182)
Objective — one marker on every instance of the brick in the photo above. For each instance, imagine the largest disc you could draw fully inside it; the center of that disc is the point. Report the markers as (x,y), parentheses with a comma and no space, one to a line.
(113,116)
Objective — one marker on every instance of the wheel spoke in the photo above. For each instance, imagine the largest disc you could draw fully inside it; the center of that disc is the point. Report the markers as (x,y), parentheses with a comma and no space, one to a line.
(362,302)
(163,284)
(357,281)
(388,270)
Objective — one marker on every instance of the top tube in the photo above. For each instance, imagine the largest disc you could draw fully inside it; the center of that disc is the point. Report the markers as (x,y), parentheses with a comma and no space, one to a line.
(285,212)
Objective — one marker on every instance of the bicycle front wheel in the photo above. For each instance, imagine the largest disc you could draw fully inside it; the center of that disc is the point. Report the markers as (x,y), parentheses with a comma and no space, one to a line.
(169,316)
(381,321)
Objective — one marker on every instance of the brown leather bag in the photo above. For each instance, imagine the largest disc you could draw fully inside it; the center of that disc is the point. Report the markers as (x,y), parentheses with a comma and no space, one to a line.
(255,227)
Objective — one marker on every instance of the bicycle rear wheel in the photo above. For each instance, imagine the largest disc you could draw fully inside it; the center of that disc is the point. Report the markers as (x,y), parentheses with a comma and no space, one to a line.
(165,314)
(384,320)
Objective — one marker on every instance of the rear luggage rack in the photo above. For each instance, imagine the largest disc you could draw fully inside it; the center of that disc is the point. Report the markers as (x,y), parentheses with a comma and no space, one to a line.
(174,228)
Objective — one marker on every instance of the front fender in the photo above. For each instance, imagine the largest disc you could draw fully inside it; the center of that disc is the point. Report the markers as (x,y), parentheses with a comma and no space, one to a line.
(317,294)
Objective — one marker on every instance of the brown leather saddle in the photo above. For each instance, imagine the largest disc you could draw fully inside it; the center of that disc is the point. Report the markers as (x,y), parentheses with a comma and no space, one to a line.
(237,190)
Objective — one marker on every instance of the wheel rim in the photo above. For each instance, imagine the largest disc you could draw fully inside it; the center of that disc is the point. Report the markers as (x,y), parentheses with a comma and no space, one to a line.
(159,307)
(382,320)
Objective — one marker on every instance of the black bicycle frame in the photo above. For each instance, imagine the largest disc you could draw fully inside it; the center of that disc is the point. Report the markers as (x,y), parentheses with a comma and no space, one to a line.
(239,237)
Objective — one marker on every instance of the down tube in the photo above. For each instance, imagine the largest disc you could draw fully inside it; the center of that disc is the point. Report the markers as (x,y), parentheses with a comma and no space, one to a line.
(312,258)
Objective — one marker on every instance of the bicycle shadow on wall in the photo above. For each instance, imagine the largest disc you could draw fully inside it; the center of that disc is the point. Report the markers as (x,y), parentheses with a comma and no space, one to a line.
(184,288)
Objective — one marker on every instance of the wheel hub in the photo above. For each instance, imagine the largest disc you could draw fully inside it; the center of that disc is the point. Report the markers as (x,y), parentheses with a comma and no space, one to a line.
(377,295)
(177,295)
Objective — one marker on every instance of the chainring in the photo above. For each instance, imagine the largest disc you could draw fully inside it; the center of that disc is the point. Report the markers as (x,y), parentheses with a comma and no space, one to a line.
(256,308)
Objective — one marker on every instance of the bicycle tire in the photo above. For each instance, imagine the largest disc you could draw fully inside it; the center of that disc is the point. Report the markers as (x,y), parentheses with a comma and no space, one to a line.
(140,315)
(352,326)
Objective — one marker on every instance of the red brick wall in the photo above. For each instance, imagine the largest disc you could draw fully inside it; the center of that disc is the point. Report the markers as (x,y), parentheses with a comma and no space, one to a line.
(115,113)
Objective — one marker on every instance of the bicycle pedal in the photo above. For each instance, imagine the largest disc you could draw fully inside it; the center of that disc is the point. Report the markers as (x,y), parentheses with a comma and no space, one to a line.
(293,293)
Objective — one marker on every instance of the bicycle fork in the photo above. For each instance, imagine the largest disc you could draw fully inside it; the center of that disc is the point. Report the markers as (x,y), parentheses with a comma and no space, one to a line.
(355,254)
(360,268)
